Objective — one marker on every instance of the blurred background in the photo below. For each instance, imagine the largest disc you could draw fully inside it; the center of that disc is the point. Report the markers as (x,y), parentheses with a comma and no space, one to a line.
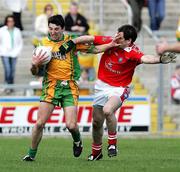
(151,84)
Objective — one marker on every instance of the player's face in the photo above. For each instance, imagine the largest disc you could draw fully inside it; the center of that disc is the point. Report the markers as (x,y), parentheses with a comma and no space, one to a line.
(121,40)
(55,31)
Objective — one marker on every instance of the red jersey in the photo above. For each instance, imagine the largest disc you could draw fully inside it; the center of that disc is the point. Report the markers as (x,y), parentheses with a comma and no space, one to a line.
(117,65)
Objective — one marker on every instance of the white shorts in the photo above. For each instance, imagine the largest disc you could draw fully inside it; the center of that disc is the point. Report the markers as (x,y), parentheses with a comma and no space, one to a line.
(104,91)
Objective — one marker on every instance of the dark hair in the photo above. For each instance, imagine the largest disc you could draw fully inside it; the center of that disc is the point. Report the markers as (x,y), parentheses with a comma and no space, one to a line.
(57,20)
(7,17)
(129,32)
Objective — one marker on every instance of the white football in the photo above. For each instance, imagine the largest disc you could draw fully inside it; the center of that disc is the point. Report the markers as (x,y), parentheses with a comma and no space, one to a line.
(44,49)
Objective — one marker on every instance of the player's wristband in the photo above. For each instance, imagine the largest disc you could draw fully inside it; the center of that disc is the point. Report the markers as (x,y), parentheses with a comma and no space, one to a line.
(66,47)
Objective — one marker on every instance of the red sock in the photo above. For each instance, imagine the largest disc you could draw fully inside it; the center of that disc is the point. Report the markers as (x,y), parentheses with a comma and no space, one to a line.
(96,149)
(112,138)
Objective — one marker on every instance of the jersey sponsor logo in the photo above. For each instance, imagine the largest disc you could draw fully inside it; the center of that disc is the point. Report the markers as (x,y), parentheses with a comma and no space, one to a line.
(109,66)
(114,66)
(57,55)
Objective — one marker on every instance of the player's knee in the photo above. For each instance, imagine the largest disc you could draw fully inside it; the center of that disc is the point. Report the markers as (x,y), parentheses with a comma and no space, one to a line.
(40,124)
(71,125)
(107,111)
(97,124)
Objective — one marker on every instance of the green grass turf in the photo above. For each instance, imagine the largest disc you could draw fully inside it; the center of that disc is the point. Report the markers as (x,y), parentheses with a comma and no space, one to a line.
(55,155)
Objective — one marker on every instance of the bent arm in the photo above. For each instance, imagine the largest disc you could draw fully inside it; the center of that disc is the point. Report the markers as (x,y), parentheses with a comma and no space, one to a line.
(98,40)
(150,59)
(100,48)
(104,47)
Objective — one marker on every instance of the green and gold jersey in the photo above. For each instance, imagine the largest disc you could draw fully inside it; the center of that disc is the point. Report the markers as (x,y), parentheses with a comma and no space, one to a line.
(63,69)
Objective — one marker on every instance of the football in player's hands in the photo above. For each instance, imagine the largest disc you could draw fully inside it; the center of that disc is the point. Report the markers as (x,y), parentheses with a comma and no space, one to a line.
(44,51)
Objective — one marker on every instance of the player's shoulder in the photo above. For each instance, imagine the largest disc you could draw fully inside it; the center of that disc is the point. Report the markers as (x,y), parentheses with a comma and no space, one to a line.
(133,49)
(136,49)
(67,37)
(45,40)
(70,36)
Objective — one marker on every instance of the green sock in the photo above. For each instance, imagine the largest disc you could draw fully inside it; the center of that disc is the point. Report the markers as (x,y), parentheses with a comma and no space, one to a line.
(32,152)
(76,136)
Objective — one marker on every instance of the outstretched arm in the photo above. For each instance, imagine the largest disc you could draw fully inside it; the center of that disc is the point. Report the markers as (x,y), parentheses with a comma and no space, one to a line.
(84,39)
(69,45)
(167,57)
(150,59)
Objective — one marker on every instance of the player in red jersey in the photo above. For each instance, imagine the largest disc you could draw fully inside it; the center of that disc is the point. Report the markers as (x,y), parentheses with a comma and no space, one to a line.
(116,69)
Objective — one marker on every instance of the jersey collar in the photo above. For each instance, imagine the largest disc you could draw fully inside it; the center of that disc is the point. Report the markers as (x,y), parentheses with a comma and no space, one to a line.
(128,49)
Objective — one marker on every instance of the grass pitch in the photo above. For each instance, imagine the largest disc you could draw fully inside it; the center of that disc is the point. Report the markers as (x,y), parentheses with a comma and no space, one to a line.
(55,155)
